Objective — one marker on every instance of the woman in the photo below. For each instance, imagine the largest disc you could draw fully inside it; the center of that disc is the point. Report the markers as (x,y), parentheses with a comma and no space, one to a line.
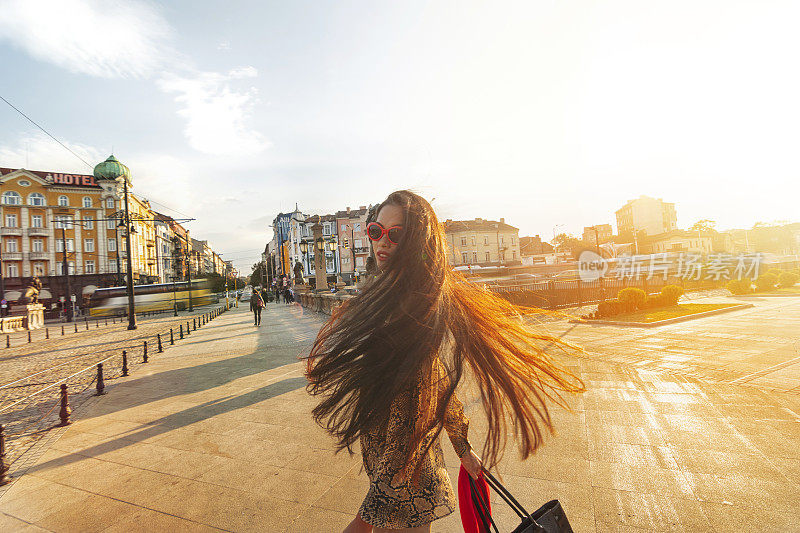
(256,305)
(389,360)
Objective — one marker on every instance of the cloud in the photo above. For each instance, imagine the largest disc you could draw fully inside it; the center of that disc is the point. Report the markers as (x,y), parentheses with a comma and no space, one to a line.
(111,39)
(215,112)
(39,152)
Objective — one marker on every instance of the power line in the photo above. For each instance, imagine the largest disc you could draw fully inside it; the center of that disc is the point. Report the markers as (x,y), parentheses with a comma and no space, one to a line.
(67,148)
(46,132)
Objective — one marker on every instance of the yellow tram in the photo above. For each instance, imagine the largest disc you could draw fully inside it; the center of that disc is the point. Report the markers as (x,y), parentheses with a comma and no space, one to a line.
(113,301)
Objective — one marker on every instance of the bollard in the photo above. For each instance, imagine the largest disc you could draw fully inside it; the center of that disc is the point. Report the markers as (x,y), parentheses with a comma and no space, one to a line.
(181,331)
(144,353)
(124,363)
(106,322)
(62,331)
(171,337)
(5,479)
(100,383)
(194,324)
(188,329)
(76,327)
(96,324)
(160,348)
(86,321)
(8,341)
(65,408)
(29,336)
(46,333)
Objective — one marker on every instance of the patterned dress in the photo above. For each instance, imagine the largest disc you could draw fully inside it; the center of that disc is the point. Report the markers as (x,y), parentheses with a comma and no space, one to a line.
(394,499)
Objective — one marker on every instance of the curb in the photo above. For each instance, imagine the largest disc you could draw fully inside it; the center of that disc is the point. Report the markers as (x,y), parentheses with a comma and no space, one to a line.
(663,322)
(764,295)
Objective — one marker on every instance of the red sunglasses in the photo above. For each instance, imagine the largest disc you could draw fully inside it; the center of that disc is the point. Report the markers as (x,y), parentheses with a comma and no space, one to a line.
(376,231)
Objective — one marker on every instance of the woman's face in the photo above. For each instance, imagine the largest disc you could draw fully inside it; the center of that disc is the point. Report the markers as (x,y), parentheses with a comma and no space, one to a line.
(389,215)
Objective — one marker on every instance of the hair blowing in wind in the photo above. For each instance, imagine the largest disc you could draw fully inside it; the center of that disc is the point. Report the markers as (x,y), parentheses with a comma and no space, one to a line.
(377,343)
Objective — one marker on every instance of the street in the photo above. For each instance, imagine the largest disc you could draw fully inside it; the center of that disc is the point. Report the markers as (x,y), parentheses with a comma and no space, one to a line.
(687,427)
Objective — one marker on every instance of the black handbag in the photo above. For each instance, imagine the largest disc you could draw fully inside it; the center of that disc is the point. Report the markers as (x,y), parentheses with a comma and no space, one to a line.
(549,518)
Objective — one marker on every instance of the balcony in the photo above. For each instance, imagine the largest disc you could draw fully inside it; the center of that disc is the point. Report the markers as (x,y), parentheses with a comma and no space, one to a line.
(5,230)
(12,256)
(38,256)
(361,250)
(38,232)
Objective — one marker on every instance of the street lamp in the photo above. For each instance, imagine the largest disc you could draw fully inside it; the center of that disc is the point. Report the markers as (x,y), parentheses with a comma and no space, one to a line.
(129,229)
(555,244)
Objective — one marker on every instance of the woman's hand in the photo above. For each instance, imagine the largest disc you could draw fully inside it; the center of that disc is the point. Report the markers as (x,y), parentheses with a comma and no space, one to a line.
(472,464)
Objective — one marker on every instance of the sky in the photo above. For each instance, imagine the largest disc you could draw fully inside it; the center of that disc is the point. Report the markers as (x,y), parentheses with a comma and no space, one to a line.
(546,113)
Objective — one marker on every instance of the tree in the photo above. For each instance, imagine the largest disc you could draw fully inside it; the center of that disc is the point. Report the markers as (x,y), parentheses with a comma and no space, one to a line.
(256,277)
(568,243)
(704,225)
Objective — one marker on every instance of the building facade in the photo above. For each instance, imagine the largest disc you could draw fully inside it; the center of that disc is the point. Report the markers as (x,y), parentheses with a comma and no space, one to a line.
(482,243)
(597,235)
(353,243)
(652,215)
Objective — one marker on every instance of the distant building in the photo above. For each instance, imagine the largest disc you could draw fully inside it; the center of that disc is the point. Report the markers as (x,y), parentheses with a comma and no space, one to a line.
(482,242)
(651,215)
(353,241)
(598,234)
(677,241)
(533,250)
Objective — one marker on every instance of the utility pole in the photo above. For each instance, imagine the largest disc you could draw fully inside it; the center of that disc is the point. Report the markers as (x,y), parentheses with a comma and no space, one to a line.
(189,273)
(2,280)
(65,267)
(129,259)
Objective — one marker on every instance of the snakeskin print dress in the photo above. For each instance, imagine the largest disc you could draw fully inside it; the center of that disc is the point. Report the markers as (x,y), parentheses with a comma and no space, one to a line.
(394,501)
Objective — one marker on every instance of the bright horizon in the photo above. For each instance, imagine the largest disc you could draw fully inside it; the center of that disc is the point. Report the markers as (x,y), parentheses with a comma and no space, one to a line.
(540,113)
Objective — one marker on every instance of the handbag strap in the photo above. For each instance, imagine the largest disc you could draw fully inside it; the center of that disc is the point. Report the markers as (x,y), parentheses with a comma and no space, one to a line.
(509,499)
(481,507)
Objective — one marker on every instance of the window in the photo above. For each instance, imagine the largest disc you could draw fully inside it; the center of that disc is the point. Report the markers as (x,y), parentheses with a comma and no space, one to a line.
(359,261)
(501,239)
(24,183)
(12,198)
(60,268)
(344,227)
(37,245)
(88,223)
(87,201)
(357,243)
(326,228)
(89,267)
(109,203)
(463,241)
(11,245)
(88,245)
(485,239)
(487,257)
(38,269)
(473,240)
(35,198)
(12,270)
(63,201)
(11,220)
(474,257)
(357,226)
(464,256)
(63,221)
(112,245)
(36,221)
(60,245)
(112,267)
(513,254)
(513,240)
(111,223)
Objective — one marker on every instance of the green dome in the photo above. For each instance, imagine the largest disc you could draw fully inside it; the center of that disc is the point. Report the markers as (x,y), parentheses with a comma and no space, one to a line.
(111,169)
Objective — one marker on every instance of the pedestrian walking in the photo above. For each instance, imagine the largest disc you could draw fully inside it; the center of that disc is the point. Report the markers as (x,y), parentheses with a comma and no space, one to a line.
(256,305)
(392,357)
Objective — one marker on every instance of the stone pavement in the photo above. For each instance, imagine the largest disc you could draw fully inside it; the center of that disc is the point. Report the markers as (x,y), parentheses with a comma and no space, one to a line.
(216,433)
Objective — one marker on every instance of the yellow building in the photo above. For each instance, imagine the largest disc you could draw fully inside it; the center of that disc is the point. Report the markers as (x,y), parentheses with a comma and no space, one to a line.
(482,242)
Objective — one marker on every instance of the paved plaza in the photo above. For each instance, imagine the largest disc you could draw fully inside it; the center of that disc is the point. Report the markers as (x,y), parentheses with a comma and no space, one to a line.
(693,426)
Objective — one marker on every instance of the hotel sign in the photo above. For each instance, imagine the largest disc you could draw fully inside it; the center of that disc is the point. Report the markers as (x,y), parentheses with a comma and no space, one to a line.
(80,180)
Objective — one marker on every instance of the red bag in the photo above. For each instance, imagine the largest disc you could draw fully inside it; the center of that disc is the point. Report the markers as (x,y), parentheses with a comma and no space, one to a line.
(469,514)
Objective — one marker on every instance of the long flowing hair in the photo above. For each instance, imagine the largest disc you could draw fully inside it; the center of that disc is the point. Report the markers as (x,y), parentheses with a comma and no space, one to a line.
(375,346)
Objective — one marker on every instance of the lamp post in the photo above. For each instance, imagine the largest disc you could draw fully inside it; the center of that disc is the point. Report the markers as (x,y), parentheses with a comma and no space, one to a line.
(555,244)
(65,268)
(129,259)
(319,258)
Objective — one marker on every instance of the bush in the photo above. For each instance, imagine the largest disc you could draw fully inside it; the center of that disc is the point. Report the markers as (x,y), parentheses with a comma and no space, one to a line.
(788,279)
(670,294)
(739,286)
(633,295)
(604,308)
(655,300)
(766,282)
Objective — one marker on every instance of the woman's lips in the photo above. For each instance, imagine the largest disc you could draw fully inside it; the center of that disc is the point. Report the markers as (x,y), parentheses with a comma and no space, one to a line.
(383,256)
